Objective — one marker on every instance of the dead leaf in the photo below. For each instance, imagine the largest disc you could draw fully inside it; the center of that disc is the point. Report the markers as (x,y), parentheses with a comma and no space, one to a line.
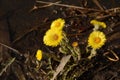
(60,67)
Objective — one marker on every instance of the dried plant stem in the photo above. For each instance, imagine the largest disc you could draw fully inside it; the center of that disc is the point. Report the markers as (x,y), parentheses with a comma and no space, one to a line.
(5,68)
(65,5)
(48,5)
(14,50)
(98,4)
(114,54)
(20,37)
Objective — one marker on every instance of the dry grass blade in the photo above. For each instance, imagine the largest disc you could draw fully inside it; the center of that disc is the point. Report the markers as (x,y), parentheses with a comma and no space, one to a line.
(62,64)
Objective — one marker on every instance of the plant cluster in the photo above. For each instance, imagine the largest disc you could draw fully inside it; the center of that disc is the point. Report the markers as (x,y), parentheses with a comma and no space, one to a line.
(56,36)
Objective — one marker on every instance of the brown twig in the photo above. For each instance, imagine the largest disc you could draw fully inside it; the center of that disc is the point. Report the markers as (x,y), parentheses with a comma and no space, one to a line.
(28,31)
(14,50)
(5,68)
(65,5)
(44,6)
(98,4)
(113,9)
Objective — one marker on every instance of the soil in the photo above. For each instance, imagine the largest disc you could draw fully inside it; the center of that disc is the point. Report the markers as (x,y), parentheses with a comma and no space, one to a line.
(23,24)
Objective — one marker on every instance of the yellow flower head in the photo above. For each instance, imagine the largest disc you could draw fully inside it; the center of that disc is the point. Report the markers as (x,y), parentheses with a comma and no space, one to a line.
(52,37)
(39,55)
(96,39)
(75,44)
(98,23)
(58,24)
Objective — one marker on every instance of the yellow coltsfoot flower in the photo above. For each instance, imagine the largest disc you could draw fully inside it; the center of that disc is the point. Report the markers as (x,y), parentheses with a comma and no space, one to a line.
(97,24)
(58,24)
(75,44)
(52,37)
(39,55)
(96,39)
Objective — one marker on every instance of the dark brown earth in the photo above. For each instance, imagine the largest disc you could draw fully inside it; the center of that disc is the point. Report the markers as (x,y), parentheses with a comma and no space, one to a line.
(22,27)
